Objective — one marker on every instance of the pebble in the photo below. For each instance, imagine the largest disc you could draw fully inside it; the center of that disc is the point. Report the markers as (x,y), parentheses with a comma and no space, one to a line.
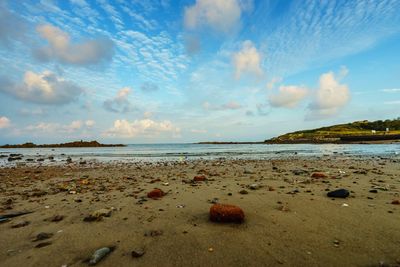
(243,192)
(136,253)
(254,186)
(155,194)
(340,193)
(20,224)
(99,254)
(226,213)
(98,215)
(43,236)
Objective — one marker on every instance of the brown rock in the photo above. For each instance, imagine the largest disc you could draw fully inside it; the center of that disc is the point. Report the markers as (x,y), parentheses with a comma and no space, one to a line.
(319,175)
(396,202)
(156,193)
(199,178)
(226,213)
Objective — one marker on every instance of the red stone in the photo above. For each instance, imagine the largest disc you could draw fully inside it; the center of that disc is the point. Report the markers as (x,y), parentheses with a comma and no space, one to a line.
(226,213)
(319,175)
(396,202)
(199,178)
(156,193)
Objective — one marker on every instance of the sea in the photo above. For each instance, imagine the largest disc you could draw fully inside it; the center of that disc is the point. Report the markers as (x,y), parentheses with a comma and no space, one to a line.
(179,152)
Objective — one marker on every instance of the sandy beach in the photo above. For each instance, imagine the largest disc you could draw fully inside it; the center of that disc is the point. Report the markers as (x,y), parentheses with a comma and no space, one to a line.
(289,220)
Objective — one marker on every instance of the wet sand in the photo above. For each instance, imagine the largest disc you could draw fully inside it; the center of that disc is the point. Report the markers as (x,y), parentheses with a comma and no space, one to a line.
(289,220)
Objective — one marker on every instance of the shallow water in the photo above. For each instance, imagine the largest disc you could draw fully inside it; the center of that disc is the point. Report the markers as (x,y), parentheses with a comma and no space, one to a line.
(165,152)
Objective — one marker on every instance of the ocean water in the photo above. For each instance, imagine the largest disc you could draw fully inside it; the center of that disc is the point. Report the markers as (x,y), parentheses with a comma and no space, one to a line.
(165,152)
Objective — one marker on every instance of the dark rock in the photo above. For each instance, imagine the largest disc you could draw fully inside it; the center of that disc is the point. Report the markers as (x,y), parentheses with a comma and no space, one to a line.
(137,253)
(20,224)
(373,191)
(57,218)
(43,244)
(199,178)
(243,192)
(318,175)
(43,236)
(226,213)
(340,193)
(155,194)
(396,202)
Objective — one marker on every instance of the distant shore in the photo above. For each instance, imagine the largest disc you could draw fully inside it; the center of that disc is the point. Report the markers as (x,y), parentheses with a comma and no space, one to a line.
(70,144)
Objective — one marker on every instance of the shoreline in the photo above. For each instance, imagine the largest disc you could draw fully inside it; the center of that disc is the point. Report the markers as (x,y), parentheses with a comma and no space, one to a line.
(289,220)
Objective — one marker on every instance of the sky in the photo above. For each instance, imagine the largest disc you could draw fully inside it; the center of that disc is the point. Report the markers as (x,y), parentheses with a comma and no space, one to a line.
(164,71)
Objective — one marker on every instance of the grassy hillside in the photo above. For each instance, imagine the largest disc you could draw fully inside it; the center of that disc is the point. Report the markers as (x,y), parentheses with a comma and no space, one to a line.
(332,133)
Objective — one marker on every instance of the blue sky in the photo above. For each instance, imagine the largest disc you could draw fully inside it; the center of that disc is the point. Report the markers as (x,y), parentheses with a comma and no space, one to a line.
(199,70)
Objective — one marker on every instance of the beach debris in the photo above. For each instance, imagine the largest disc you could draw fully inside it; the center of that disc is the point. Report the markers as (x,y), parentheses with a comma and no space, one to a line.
(213,201)
(254,186)
(243,192)
(199,178)
(226,213)
(14,214)
(43,244)
(180,206)
(396,202)
(137,253)
(165,184)
(98,215)
(20,224)
(210,249)
(4,220)
(99,254)
(319,175)
(155,194)
(340,193)
(345,205)
(42,236)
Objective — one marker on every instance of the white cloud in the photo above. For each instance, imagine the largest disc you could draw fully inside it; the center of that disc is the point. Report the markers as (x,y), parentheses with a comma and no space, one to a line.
(57,128)
(4,122)
(395,102)
(149,87)
(120,103)
(288,96)
(90,123)
(44,88)
(391,90)
(330,97)
(145,128)
(220,15)
(247,60)
(61,49)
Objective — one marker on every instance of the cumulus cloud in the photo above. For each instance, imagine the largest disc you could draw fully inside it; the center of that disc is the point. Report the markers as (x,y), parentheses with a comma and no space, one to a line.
(144,127)
(271,83)
(43,88)
(120,103)
(247,60)
(61,49)
(4,122)
(149,87)
(330,97)
(288,96)
(12,26)
(220,15)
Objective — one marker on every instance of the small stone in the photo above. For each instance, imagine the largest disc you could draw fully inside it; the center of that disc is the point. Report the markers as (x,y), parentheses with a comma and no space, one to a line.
(137,253)
(396,202)
(226,213)
(98,215)
(155,194)
(254,186)
(243,192)
(43,236)
(57,218)
(318,175)
(20,224)
(373,191)
(199,178)
(248,171)
(340,193)
(43,244)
